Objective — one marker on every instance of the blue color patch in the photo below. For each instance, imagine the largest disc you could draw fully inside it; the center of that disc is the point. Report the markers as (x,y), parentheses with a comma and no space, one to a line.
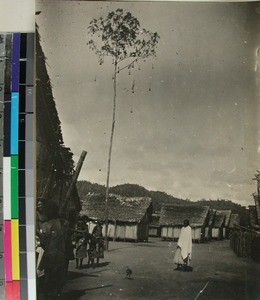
(14,123)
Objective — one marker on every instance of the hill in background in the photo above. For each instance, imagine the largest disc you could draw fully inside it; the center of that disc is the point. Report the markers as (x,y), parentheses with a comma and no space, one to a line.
(158,198)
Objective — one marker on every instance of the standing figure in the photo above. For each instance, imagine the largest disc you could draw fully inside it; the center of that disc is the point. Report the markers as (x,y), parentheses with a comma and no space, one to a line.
(184,248)
(96,245)
(41,215)
(54,241)
(81,239)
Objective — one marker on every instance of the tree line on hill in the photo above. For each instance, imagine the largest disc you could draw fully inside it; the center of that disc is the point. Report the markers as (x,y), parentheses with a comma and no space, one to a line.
(159,198)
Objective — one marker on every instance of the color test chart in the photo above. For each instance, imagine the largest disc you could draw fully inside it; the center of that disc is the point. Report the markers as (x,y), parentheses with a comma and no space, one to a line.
(17,240)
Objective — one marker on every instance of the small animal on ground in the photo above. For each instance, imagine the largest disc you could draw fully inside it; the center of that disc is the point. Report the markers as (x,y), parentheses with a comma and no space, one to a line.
(128,273)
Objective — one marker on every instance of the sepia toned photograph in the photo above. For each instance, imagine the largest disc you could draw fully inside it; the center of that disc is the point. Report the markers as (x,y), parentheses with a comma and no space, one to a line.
(147,131)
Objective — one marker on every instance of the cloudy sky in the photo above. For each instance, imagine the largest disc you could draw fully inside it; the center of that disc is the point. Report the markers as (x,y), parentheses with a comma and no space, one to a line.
(194,135)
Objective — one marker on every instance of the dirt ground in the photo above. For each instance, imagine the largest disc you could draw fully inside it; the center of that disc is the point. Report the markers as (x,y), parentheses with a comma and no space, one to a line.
(217,271)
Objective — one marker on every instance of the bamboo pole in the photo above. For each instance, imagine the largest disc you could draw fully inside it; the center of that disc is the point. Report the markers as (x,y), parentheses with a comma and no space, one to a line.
(74,179)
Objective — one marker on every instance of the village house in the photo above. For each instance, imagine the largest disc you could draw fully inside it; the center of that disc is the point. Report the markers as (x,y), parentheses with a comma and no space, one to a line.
(172,216)
(227,214)
(218,225)
(208,230)
(154,226)
(128,217)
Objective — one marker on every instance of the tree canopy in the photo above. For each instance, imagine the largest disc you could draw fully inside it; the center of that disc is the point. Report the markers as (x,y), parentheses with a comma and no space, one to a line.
(119,35)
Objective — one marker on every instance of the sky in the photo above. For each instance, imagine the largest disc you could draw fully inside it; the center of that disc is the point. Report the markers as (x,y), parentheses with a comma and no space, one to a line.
(195,134)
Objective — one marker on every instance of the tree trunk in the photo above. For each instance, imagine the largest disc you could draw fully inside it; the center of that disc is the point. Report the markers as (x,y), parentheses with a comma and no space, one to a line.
(109,155)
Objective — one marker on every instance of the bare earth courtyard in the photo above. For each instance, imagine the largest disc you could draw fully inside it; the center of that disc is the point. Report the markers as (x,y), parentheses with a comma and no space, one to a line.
(216,267)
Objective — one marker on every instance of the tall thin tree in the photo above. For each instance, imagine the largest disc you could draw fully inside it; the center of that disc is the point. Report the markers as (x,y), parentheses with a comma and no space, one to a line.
(120,37)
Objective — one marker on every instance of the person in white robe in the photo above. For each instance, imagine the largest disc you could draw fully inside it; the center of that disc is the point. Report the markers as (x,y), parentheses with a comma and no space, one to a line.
(184,247)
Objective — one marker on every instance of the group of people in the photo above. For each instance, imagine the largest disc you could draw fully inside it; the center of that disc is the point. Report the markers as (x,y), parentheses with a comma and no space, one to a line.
(88,245)
(57,243)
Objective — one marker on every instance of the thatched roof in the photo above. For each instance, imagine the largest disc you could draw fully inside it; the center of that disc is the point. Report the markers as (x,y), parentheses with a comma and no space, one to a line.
(227,214)
(219,219)
(234,220)
(155,220)
(212,214)
(121,209)
(173,215)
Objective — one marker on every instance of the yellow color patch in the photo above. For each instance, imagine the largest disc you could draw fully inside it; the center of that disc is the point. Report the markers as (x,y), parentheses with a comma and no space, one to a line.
(15,249)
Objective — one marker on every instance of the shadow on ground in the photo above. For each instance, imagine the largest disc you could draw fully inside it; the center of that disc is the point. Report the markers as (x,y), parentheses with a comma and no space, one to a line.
(76,294)
(76,275)
(99,265)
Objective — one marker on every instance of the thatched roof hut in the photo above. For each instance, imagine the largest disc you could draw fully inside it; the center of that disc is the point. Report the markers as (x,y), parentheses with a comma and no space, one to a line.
(219,219)
(227,214)
(154,226)
(219,224)
(128,217)
(212,215)
(122,209)
(172,216)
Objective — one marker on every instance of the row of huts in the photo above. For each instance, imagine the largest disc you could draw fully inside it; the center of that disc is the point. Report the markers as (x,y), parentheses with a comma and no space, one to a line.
(206,223)
(131,218)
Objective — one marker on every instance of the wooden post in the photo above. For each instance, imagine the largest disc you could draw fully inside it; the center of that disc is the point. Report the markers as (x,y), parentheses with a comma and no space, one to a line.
(74,180)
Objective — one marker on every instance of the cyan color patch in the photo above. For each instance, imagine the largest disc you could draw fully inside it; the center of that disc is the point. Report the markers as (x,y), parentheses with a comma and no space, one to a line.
(14,123)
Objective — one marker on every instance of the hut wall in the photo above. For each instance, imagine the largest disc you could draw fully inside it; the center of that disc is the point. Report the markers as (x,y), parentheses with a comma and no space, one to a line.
(196,233)
(120,231)
(170,232)
(117,231)
(176,232)
(131,232)
(153,231)
(111,231)
(217,233)
(207,233)
(164,232)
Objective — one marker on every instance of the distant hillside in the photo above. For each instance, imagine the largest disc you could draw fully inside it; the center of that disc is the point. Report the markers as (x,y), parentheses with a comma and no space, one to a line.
(131,190)
(221,205)
(85,187)
(158,198)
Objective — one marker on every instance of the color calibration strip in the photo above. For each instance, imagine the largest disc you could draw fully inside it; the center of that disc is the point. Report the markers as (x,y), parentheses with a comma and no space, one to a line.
(17,50)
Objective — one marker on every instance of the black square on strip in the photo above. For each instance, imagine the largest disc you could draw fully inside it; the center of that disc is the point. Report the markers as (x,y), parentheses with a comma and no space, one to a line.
(23,266)
(21,155)
(22,211)
(22,127)
(22,238)
(22,97)
(21,177)
(22,79)
(23,45)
